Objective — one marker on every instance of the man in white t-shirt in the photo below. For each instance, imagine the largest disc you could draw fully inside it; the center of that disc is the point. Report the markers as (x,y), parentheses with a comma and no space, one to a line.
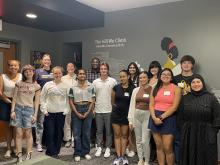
(103,89)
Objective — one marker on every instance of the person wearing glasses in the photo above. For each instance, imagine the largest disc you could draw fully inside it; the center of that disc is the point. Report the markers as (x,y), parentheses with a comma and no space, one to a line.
(164,101)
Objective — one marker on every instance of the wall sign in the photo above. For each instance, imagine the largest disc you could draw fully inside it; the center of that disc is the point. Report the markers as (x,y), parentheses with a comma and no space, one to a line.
(110,42)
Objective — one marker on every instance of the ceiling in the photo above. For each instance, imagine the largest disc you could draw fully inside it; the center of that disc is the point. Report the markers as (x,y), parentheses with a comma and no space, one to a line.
(63,15)
(53,15)
(114,5)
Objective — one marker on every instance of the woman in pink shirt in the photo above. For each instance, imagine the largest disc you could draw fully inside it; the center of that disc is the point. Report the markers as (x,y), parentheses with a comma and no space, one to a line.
(164,101)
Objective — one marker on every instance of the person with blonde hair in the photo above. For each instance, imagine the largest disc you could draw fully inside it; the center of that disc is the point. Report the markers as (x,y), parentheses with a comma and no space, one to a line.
(54,105)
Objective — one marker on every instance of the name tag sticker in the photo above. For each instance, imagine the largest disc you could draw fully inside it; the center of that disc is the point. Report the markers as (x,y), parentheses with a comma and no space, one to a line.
(145,95)
(126,94)
(166,93)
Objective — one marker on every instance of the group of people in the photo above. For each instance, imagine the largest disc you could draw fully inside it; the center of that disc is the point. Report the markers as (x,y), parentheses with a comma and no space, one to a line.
(181,115)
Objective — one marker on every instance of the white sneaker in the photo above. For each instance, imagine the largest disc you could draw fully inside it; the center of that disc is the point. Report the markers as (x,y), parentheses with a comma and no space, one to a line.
(7,154)
(77,158)
(28,156)
(116,161)
(88,157)
(39,148)
(131,154)
(98,152)
(124,160)
(19,158)
(107,152)
(141,162)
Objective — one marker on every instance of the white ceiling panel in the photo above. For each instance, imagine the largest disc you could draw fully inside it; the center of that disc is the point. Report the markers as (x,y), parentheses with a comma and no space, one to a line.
(115,5)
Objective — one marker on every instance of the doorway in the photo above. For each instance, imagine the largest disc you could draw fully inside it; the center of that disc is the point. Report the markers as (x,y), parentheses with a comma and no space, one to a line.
(72,52)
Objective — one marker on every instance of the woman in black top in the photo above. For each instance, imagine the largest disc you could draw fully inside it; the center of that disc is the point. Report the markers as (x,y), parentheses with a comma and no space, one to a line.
(199,122)
(121,96)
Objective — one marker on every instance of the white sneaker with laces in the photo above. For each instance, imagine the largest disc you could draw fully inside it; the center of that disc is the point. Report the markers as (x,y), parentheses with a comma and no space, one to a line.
(98,152)
(39,148)
(107,152)
(77,158)
(88,157)
(116,161)
(7,154)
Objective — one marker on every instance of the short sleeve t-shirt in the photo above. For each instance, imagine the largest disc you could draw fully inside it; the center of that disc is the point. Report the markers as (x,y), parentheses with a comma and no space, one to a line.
(26,92)
(103,90)
(43,76)
(183,82)
(122,102)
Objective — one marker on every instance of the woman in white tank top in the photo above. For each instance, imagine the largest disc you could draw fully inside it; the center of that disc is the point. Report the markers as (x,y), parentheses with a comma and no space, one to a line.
(7,85)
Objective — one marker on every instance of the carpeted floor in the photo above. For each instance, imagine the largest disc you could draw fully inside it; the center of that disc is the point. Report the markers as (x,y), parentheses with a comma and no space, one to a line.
(66,156)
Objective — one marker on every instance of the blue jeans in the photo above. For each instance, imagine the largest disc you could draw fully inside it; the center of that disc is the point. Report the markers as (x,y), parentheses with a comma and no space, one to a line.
(81,131)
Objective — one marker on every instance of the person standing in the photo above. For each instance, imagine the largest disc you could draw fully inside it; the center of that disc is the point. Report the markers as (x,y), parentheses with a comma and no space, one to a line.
(70,80)
(164,101)
(199,123)
(121,96)
(24,109)
(91,75)
(183,81)
(103,108)
(153,72)
(54,105)
(81,102)
(7,86)
(94,72)
(43,75)
(138,118)
(133,71)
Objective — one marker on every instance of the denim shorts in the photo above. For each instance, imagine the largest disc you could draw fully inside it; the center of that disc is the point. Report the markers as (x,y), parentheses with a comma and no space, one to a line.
(23,117)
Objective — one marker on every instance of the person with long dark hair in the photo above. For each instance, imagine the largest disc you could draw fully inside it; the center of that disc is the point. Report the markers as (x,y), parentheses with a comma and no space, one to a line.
(133,71)
(153,72)
(121,96)
(81,98)
(164,101)
(199,122)
(138,117)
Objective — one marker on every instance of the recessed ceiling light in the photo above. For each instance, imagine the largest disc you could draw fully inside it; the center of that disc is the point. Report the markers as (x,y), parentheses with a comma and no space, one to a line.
(31,15)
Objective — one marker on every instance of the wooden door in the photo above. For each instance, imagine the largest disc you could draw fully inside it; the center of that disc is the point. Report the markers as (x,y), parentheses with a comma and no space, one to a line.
(5,55)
